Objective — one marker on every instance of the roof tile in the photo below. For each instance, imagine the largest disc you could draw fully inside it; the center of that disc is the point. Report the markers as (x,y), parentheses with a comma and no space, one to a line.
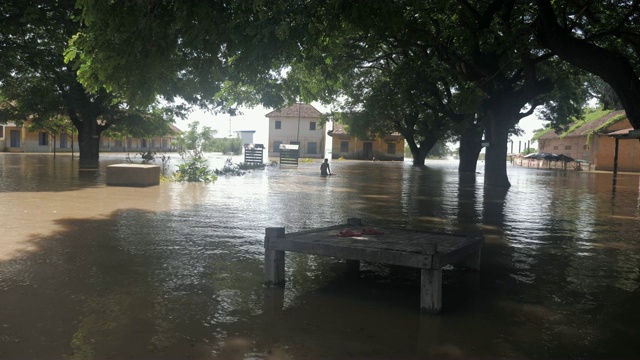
(295,110)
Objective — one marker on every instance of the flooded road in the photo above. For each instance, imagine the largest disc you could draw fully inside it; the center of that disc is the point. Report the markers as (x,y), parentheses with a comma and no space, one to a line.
(175,271)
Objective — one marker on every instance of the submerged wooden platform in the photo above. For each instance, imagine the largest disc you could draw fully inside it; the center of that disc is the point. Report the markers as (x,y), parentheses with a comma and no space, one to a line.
(428,251)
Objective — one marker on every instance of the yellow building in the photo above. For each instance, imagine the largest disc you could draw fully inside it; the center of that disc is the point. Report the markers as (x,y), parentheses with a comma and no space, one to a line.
(15,138)
(155,143)
(390,147)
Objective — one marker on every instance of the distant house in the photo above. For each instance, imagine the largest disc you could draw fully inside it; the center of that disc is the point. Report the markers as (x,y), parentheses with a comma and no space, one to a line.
(14,138)
(297,124)
(390,147)
(589,141)
(154,143)
(17,138)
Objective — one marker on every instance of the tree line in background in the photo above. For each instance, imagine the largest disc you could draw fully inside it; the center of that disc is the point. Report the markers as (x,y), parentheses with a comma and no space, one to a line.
(433,71)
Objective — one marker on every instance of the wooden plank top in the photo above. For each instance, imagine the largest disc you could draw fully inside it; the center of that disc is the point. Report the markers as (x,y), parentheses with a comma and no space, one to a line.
(395,246)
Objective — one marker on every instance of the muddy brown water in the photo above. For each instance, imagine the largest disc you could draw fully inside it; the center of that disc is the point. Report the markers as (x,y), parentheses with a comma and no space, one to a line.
(175,271)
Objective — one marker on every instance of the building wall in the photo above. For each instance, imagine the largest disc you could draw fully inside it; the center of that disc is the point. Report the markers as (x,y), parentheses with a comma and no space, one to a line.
(628,154)
(600,152)
(289,133)
(356,150)
(135,144)
(7,144)
(30,142)
(572,146)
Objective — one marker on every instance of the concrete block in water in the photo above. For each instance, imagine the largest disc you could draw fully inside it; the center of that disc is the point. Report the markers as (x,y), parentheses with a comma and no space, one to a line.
(133,175)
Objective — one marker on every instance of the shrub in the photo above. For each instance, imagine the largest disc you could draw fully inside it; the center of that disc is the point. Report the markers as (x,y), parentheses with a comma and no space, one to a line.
(193,144)
(251,166)
(229,168)
(195,170)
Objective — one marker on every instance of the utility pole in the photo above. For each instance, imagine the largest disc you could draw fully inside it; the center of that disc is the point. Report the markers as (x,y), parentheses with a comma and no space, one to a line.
(298,136)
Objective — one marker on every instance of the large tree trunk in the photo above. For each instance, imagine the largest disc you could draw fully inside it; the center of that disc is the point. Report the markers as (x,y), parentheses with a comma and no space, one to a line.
(89,143)
(470,147)
(418,157)
(611,66)
(495,169)
(420,152)
(84,111)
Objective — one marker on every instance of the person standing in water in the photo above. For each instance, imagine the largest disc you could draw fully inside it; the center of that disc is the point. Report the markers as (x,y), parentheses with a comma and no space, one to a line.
(325,170)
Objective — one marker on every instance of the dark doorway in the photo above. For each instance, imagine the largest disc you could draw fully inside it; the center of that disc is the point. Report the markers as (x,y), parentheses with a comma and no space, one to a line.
(367,150)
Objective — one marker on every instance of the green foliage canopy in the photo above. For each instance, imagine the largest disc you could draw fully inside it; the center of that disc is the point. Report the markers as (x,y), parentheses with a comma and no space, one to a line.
(38,86)
(601,37)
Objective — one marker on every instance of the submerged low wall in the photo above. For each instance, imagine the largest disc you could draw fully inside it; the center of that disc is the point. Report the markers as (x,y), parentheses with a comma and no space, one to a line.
(133,175)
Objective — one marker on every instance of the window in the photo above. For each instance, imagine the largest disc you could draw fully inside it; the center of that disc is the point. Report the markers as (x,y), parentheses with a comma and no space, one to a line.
(129,143)
(555,147)
(143,143)
(567,147)
(43,139)
(1,132)
(278,124)
(391,148)
(312,125)
(312,147)
(63,141)
(276,145)
(344,146)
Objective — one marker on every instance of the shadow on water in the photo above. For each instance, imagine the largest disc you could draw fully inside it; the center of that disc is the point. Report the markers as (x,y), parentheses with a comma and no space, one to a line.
(175,271)
(98,283)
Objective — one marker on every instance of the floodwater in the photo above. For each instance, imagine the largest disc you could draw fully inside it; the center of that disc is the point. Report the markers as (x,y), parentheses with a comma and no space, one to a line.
(175,271)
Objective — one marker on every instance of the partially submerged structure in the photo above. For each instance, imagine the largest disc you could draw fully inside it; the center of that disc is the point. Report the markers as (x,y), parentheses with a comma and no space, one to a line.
(589,141)
(18,138)
(345,145)
(428,251)
(298,124)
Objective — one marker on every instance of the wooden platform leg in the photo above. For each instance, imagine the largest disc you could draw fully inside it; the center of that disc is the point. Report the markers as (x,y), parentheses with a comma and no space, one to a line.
(431,290)
(274,274)
(273,301)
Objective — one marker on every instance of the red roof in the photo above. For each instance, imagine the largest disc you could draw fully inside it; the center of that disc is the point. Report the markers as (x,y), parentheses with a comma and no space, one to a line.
(295,110)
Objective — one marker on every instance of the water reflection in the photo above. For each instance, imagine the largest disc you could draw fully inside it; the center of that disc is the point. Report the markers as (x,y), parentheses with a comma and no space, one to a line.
(86,268)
